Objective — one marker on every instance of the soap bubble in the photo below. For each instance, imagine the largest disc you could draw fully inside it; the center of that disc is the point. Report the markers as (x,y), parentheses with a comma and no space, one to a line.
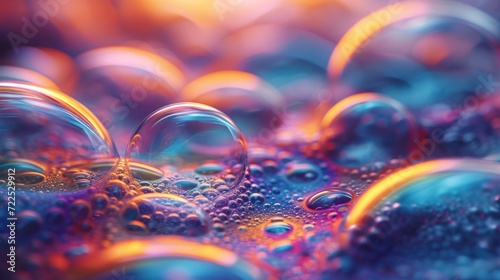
(431,210)
(122,85)
(250,102)
(183,137)
(423,54)
(51,63)
(367,128)
(167,214)
(42,128)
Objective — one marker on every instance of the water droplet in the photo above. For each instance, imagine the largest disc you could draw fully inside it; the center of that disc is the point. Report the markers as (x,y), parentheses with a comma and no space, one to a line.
(297,172)
(170,257)
(257,198)
(80,210)
(209,169)
(186,184)
(116,188)
(278,228)
(142,171)
(210,193)
(183,136)
(182,218)
(29,222)
(329,198)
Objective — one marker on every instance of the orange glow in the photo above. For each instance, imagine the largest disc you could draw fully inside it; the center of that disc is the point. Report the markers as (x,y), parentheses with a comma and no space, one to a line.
(133,57)
(370,25)
(128,252)
(214,80)
(228,79)
(396,181)
(18,74)
(350,101)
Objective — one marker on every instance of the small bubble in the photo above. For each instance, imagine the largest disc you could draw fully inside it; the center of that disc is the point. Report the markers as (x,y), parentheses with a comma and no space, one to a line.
(328,198)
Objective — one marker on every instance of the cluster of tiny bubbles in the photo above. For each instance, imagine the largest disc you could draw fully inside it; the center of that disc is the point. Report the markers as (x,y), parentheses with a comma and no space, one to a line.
(367,128)
(428,54)
(470,134)
(167,258)
(193,147)
(258,117)
(123,85)
(163,214)
(446,210)
(53,143)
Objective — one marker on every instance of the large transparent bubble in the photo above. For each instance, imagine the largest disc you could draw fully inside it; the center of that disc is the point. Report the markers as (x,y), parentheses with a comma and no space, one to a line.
(250,102)
(185,138)
(423,54)
(367,128)
(43,129)
(444,210)
(122,85)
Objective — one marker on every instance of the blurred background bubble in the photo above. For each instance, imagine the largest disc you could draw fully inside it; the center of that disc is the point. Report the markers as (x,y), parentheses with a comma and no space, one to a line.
(421,53)
(125,84)
(190,138)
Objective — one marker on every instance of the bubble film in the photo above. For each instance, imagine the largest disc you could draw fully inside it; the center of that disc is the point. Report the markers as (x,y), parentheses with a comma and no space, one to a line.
(190,138)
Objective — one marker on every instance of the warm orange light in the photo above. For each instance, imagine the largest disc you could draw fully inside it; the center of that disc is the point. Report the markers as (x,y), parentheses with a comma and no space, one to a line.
(134,57)
(370,25)
(398,180)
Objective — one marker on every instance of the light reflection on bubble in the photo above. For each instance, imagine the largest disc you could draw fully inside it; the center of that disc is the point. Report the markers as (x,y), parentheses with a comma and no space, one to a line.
(250,102)
(184,137)
(417,205)
(122,85)
(40,127)
(366,128)
(427,54)
(19,74)
(167,258)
